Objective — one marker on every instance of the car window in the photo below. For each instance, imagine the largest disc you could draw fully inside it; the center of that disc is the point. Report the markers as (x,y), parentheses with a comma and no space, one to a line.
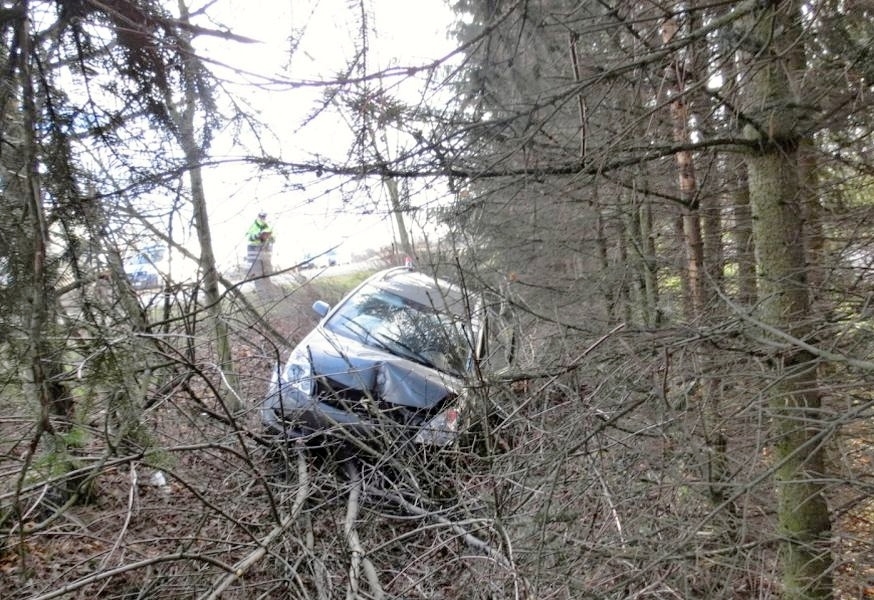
(403,327)
(148,256)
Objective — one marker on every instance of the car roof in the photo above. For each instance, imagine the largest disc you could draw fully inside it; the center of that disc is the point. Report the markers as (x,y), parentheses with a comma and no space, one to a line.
(421,288)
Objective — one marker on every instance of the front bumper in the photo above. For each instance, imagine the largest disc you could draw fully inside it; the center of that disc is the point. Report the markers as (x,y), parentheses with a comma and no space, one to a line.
(291,414)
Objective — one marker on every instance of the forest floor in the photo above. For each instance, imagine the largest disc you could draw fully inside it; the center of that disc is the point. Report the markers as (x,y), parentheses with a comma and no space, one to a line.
(853,513)
(216,513)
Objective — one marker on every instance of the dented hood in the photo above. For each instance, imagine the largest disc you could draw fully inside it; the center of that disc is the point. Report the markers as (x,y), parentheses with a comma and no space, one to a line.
(393,379)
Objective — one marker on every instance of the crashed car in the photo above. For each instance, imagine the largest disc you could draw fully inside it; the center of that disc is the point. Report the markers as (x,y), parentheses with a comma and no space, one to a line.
(388,364)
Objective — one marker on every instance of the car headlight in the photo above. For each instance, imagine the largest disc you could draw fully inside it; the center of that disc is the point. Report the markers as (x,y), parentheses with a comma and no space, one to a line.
(299,372)
(442,429)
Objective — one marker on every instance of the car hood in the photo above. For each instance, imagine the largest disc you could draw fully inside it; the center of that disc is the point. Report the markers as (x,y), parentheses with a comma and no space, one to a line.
(349,364)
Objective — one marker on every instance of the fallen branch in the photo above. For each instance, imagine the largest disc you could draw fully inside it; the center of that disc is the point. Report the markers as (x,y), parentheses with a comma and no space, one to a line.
(471,540)
(148,562)
(320,572)
(244,565)
(359,560)
(132,495)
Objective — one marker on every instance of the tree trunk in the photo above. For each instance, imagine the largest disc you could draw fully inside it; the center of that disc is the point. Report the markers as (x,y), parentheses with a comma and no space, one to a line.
(650,266)
(622,290)
(738,192)
(35,223)
(794,400)
(742,233)
(814,237)
(185,133)
(689,227)
(638,232)
(394,199)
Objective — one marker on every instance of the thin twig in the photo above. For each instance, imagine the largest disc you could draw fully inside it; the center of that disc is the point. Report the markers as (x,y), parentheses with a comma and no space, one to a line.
(320,572)
(572,365)
(471,540)
(359,560)
(864,365)
(80,583)
(130,509)
(241,567)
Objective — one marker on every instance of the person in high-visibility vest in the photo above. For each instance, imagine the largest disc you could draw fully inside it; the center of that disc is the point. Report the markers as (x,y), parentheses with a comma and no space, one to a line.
(260,246)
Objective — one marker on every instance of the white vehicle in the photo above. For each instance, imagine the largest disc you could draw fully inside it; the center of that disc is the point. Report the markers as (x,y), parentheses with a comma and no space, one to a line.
(156,266)
(390,361)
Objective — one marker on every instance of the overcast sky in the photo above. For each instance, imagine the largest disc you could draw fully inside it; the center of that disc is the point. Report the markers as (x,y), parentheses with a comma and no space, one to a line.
(308,221)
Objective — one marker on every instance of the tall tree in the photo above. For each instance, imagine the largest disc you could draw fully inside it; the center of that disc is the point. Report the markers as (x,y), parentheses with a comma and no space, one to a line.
(777,197)
(196,96)
(680,79)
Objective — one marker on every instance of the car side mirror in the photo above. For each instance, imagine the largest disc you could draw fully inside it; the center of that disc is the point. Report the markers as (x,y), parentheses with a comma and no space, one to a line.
(321,307)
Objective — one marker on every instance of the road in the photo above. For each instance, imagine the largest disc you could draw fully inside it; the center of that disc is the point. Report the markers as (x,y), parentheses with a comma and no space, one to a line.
(301,276)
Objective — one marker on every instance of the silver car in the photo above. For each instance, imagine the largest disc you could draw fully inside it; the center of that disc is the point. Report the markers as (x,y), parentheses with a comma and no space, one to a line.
(388,364)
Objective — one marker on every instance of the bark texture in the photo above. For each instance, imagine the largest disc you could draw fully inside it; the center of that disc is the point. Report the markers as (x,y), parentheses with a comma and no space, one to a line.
(794,399)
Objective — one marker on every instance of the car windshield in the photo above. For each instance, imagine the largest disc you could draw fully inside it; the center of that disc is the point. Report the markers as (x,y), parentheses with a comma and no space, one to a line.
(148,256)
(404,327)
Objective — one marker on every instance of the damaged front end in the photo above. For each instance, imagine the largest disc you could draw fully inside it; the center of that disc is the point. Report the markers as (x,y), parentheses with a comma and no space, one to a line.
(386,366)
(365,394)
